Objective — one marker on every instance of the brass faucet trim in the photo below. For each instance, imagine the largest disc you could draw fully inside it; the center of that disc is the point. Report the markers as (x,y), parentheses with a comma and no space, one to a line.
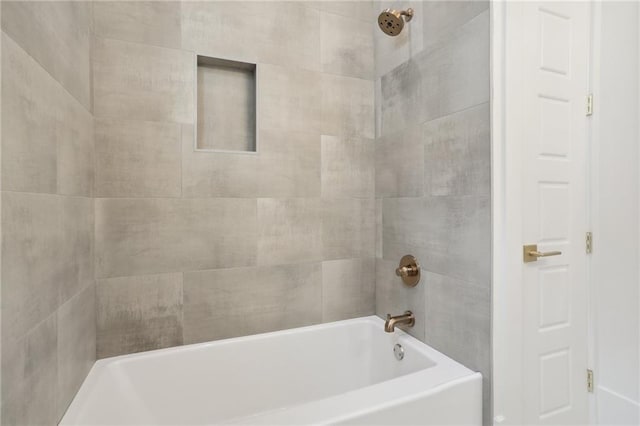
(407,319)
(409,270)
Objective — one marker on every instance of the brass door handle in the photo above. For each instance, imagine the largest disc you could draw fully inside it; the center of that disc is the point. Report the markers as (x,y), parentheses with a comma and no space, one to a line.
(530,253)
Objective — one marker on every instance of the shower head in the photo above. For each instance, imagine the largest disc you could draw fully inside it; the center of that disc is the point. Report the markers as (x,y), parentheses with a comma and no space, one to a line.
(391,21)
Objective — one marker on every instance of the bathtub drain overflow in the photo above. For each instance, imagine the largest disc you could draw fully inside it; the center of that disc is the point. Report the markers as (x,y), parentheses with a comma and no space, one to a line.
(398,351)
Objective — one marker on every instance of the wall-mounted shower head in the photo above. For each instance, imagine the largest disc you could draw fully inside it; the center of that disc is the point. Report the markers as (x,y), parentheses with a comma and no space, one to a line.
(390,21)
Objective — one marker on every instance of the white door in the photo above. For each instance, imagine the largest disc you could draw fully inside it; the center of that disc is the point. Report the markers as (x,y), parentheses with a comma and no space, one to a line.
(555,62)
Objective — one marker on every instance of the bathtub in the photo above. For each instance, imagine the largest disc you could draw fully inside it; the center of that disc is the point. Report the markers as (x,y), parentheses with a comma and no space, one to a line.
(345,372)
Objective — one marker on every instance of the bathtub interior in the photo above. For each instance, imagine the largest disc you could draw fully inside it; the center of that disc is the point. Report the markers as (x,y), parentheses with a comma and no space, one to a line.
(238,378)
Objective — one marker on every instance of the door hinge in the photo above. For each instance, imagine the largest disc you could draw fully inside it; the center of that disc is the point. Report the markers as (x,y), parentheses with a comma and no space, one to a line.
(589,104)
(590,381)
(589,242)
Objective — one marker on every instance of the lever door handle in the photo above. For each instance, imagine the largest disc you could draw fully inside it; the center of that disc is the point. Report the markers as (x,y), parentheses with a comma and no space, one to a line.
(530,253)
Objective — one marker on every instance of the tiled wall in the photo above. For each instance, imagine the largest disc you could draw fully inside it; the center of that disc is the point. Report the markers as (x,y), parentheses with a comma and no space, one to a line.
(48,286)
(193,246)
(432,173)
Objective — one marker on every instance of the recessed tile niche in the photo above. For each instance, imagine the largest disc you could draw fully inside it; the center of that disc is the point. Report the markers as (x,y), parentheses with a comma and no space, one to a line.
(226,110)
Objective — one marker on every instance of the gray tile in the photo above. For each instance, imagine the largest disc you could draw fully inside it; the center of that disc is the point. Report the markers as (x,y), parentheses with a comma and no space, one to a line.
(289,230)
(348,289)
(347,167)
(288,99)
(442,18)
(75,249)
(253,31)
(254,300)
(458,318)
(138,159)
(150,22)
(216,174)
(138,313)
(29,122)
(346,45)
(347,107)
(379,242)
(57,35)
(449,235)
(400,166)
(76,344)
(47,250)
(75,148)
(348,228)
(402,101)
(147,236)
(289,164)
(29,376)
(457,153)
(393,297)
(142,82)
(439,81)
(32,271)
(361,10)
(47,135)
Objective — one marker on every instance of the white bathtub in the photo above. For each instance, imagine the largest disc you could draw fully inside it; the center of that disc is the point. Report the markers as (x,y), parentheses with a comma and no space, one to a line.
(338,373)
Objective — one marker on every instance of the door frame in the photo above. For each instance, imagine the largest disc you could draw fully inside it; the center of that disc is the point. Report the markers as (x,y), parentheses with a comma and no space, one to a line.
(506,204)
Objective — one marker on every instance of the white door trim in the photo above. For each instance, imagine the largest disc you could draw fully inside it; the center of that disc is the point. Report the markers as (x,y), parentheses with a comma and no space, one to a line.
(506,216)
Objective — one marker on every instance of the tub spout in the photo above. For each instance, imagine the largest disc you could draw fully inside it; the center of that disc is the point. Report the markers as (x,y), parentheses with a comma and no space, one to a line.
(405,319)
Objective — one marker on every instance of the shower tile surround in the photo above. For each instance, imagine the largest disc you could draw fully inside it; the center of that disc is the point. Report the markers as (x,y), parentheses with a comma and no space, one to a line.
(194,245)
(362,158)
(48,286)
(432,177)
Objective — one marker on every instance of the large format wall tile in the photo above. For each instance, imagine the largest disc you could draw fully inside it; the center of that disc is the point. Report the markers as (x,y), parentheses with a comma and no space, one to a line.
(280,33)
(347,167)
(76,344)
(57,35)
(139,313)
(31,267)
(29,376)
(141,82)
(457,153)
(348,228)
(251,300)
(400,163)
(452,77)
(449,235)
(458,315)
(47,248)
(138,159)
(288,99)
(346,45)
(75,157)
(289,164)
(216,174)
(442,18)
(289,230)
(47,136)
(156,23)
(76,246)
(348,288)
(154,235)
(347,107)
(360,10)
(29,115)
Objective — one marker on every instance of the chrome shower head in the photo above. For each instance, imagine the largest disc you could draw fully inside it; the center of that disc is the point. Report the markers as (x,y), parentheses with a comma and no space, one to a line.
(391,21)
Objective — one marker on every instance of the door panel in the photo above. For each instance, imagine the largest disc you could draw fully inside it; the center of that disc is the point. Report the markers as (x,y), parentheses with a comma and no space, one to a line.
(555,71)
